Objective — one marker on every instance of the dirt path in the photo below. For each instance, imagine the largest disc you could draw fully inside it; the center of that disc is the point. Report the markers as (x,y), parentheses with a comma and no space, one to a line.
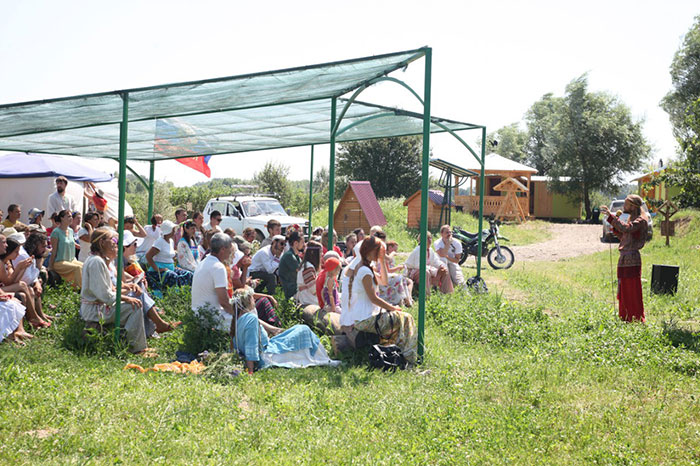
(568,240)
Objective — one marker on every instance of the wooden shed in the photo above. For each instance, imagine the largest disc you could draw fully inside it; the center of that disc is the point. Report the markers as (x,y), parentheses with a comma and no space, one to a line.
(434,206)
(547,204)
(358,208)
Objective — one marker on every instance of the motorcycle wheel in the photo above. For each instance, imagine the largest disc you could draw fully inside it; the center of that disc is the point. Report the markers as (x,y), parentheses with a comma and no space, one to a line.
(505,261)
(465,254)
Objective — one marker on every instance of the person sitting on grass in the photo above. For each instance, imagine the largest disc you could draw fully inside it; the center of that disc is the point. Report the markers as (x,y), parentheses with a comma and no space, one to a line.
(327,286)
(11,281)
(362,307)
(62,260)
(324,242)
(264,303)
(249,234)
(307,274)
(450,252)
(98,295)
(290,262)
(266,263)
(436,272)
(11,316)
(152,234)
(399,287)
(187,248)
(350,242)
(214,221)
(210,283)
(296,347)
(14,212)
(92,220)
(162,272)
(20,259)
(274,228)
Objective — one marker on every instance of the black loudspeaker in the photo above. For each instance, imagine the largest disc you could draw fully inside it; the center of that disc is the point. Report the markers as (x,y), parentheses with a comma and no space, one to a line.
(664,279)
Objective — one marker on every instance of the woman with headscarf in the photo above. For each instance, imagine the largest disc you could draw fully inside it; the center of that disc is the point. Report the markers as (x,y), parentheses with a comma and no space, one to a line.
(632,233)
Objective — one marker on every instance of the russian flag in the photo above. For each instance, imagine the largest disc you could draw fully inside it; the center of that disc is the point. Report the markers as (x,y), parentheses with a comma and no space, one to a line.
(177,139)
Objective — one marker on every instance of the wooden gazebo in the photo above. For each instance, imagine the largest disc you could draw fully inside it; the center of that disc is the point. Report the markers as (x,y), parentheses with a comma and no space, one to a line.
(511,209)
(497,169)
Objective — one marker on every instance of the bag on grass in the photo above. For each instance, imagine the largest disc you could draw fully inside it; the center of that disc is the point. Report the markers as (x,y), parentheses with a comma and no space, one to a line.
(387,358)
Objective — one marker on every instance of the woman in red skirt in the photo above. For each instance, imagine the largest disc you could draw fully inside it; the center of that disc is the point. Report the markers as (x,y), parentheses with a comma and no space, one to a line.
(632,234)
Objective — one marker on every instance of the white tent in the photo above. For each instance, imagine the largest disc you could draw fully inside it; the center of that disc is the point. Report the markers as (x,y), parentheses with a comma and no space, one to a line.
(23,184)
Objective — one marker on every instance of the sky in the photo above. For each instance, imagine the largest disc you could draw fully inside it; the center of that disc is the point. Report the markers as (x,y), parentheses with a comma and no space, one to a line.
(491,60)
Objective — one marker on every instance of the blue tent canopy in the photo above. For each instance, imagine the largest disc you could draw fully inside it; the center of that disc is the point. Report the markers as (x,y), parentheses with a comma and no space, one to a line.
(27,165)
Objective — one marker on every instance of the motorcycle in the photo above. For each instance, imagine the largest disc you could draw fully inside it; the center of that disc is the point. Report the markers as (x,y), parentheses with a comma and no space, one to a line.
(499,257)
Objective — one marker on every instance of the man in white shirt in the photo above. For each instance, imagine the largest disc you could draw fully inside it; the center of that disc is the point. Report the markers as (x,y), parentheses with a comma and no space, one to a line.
(59,200)
(266,262)
(214,221)
(210,282)
(436,271)
(450,252)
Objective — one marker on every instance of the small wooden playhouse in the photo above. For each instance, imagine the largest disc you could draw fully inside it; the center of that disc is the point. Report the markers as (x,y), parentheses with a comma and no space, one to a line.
(435,199)
(358,208)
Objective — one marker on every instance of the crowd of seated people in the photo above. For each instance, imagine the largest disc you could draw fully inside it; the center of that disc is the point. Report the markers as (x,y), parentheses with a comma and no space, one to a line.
(225,272)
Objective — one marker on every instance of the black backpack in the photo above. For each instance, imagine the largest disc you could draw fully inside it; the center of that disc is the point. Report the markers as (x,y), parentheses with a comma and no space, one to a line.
(387,358)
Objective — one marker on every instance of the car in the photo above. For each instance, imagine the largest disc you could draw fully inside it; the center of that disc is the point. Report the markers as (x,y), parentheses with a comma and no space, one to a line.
(616,205)
(252,210)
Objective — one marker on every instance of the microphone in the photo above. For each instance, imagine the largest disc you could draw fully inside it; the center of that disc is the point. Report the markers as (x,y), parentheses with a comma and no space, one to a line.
(618,213)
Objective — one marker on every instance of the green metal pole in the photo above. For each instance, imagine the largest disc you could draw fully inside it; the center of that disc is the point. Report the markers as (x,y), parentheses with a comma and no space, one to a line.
(424,202)
(331,176)
(151,181)
(123,141)
(311,188)
(481,199)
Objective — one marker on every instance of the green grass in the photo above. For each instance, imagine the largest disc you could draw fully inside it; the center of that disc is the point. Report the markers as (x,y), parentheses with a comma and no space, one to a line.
(539,371)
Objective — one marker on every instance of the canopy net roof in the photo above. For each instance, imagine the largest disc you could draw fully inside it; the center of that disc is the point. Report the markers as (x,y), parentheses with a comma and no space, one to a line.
(260,111)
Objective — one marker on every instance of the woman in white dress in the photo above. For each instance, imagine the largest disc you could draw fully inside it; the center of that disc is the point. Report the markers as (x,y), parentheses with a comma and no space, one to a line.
(362,307)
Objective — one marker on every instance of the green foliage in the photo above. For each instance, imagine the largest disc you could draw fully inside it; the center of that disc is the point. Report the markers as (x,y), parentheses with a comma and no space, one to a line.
(273,179)
(74,335)
(587,136)
(512,142)
(201,332)
(137,197)
(287,310)
(391,165)
(685,78)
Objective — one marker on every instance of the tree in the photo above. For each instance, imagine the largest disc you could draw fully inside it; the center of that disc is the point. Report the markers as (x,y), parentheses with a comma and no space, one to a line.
(511,142)
(685,77)
(391,165)
(274,179)
(587,136)
(683,107)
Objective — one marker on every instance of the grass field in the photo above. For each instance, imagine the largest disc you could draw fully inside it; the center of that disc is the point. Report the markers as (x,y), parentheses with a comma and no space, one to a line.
(539,371)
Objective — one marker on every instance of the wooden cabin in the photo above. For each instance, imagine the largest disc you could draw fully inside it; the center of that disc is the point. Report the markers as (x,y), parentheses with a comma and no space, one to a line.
(655,195)
(358,208)
(435,199)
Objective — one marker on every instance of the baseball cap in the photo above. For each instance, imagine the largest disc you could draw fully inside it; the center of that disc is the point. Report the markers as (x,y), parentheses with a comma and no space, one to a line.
(129,238)
(19,237)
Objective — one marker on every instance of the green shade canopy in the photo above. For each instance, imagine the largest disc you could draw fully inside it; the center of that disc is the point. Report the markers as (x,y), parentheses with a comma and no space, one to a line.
(276,109)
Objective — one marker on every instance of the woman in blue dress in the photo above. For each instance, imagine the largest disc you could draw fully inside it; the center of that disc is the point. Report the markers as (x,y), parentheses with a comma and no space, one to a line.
(293,348)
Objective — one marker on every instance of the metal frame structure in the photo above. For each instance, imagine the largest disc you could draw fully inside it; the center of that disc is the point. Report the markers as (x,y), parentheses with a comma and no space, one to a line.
(335,130)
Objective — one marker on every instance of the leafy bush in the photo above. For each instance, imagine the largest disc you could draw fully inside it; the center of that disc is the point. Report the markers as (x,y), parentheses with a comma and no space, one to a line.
(201,332)
(74,335)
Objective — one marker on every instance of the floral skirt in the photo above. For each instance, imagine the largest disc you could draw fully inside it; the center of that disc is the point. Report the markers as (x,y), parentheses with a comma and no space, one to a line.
(397,291)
